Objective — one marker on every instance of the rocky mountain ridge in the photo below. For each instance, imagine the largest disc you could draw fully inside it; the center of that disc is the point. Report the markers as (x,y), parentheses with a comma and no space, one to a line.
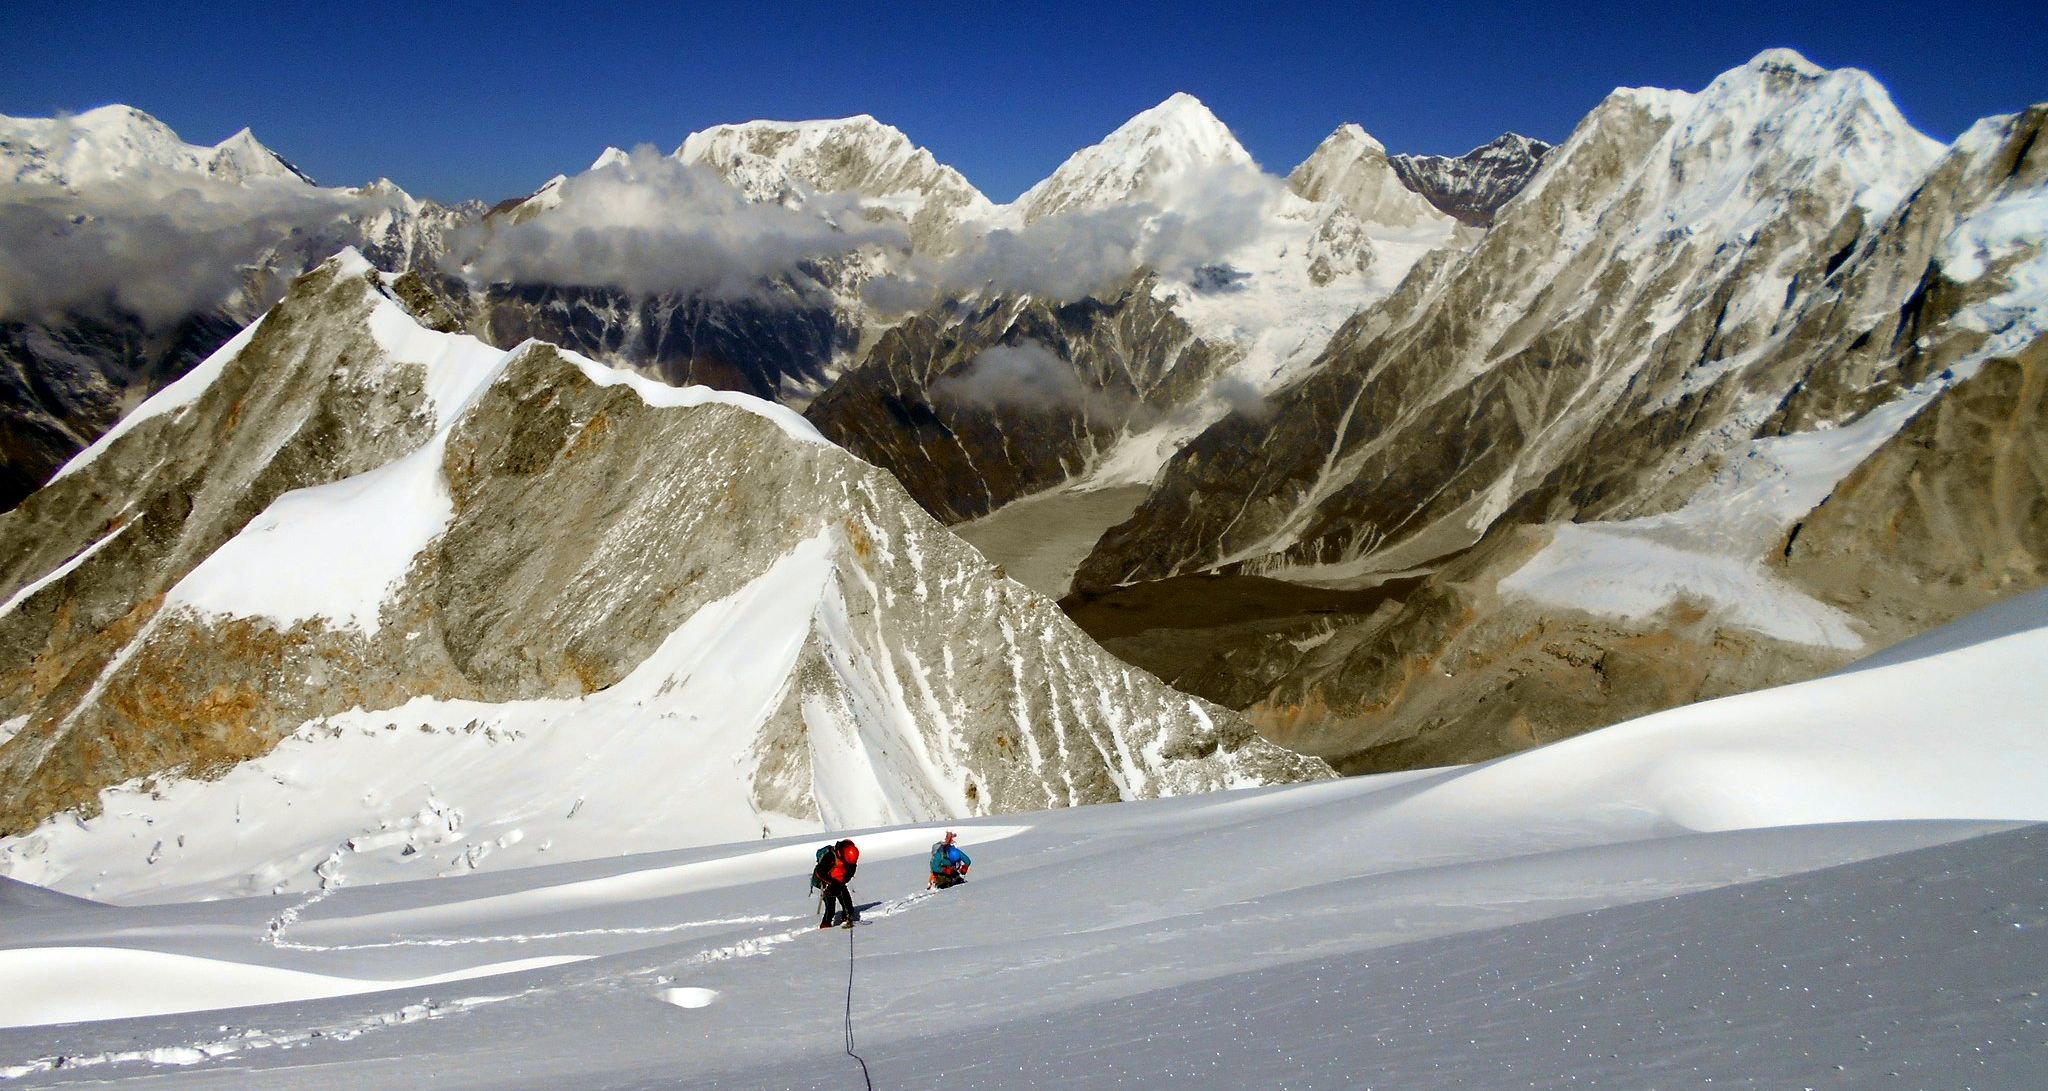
(1585,523)
(758,615)
(1473,186)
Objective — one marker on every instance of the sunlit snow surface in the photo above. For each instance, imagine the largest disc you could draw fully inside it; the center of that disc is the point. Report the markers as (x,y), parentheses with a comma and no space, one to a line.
(1654,905)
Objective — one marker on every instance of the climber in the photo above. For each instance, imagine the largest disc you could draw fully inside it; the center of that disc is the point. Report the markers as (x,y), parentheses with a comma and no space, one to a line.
(833,871)
(949,864)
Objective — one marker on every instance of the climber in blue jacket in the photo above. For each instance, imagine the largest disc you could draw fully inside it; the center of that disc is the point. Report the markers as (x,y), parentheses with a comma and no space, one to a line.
(949,864)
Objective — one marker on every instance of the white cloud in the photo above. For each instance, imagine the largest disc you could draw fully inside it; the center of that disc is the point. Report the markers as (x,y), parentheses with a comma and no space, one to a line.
(648,224)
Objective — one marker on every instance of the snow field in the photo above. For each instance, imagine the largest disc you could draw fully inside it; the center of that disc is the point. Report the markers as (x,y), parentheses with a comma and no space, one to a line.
(67,984)
(1600,911)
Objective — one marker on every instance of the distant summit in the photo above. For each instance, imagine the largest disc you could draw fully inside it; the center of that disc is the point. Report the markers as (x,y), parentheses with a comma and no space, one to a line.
(116,142)
(1473,186)
(1141,159)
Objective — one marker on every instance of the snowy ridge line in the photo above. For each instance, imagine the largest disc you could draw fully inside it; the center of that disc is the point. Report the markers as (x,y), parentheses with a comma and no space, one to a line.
(28,590)
(252,1039)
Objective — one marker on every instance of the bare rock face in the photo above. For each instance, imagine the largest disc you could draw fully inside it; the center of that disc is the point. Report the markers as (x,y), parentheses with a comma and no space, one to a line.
(1474,186)
(63,383)
(783,343)
(544,545)
(1591,482)
(299,399)
(1948,517)
(975,410)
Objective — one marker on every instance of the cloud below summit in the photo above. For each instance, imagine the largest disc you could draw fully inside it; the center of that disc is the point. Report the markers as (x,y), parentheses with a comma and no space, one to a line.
(1026,375)
(160,246)
(648,224)
(1089,252)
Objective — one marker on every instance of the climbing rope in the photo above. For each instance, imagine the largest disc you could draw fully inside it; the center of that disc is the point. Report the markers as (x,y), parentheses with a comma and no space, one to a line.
(865,1078)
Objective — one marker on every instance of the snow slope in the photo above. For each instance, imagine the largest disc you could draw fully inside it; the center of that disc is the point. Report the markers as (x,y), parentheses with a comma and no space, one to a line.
(1776,890)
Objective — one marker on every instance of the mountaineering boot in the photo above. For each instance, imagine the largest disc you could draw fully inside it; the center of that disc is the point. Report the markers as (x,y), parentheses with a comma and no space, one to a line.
(848,924)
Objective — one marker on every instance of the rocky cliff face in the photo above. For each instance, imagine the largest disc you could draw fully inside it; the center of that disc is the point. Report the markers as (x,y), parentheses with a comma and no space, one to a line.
(516,556)
(1791,331)
(971,412)
(1473,186)
(1022,389)
(784,342)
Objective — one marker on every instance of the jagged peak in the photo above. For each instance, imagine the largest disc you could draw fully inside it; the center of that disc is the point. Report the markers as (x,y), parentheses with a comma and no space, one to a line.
(1506,144)
(608,157)
(1515,142)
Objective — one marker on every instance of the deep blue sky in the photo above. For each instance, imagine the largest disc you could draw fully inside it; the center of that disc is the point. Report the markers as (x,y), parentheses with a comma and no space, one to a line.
(460,100)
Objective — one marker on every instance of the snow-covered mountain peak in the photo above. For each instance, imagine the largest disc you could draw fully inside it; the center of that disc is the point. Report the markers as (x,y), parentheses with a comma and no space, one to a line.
(1140,160)
(1351,169)
(608,157)
(120,142)
(786,162)
(1783,118)
(769,160)
(1782,59)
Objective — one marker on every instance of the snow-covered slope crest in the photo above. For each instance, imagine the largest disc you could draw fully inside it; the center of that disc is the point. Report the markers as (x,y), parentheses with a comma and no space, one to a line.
(1945,726)
(595,615)
(115,142)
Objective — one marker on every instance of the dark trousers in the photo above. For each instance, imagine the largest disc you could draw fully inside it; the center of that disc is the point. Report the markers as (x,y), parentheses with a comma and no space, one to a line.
(837,893)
